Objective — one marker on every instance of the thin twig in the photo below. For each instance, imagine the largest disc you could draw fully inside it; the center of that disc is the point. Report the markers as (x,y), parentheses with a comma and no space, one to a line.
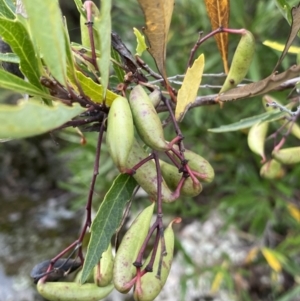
(194,49)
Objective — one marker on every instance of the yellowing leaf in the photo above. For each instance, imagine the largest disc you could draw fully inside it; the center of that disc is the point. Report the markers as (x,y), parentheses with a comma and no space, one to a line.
(251,255)
(218,13)
(95,91)
(141,44)
(272,259)
(158,15)
(280,47)
(188,91)
(294,212)
(217,282)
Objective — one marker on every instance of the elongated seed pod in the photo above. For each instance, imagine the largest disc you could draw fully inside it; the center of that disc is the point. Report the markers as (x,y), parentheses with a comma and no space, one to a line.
(120,132)
(103,272)
(129,248)
(146,175)
(205,171)
(272,170)
(295,130)
(241,61)
(256,138)
(150,285)
(146,120)
(72,291)
(289,155)
(155,97)
(172,177)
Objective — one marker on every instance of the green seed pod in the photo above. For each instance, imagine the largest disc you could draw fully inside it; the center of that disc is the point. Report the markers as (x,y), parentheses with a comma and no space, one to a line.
(129,248)
(241,61)
(155,97)
(120,132)
(149,286)
(146,175)
(146,120)
(72,291)
(272,170)
(103,272)
(172,177)
(289,155)
(295,131)
(256,138)
(198,164)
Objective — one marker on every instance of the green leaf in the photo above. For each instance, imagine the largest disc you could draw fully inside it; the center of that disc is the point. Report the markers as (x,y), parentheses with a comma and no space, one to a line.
(31,118)
(94,90)
(103,27)
(248,122)
(9,57)
(292,294)
(80,8)
(285,9)
(71,72)
(47,28)
(6,10)
(107,220)
(14,83)
(15,34)
(141,44)
(120,73)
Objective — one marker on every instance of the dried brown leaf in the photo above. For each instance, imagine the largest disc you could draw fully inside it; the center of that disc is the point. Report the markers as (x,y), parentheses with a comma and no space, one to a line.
(158,15)
(261,87)
(295,27)
(218,13)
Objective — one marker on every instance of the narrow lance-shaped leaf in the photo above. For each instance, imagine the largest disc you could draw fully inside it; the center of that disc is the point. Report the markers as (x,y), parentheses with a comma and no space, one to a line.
(107,220)
(272,258)
(218,13)
(47,28)
(79,6)
(248,122)
(158,15)
(120,73)
(285,9)
(71,72)
(295,27)
(5,10)
(261,87)
(103,26)
(15,34)
(188,91)
(16,84)
(280,47)
(294,212)
(31,118)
